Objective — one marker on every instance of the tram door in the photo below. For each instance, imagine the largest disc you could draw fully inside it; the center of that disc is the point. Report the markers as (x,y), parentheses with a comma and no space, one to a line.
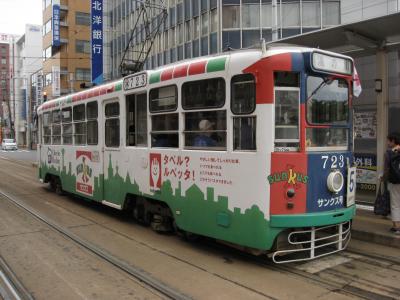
(287,121)
(111,152)
(287,111)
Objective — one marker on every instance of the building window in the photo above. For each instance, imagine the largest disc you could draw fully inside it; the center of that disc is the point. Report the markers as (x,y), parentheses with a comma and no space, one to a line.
(3,61)
(82,46)
(188,31)
(250,38)
(251,15)
(230,40)
(47,27)
(195,8)
(82,18)
(204,45)
(266,14)
(290,14)
(46,3)
(47,53)
(311,14)
(196,28)
(47,79)
(231,16)
(331,13)
(214,21)
(83,74)
(204,24)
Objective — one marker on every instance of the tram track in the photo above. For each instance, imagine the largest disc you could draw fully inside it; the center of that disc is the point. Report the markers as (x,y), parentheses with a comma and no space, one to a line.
(10,286)
(137,273)
(336,287)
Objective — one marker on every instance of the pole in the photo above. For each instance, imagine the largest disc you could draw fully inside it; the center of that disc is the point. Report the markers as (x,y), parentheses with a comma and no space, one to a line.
(28,116)
(13,75)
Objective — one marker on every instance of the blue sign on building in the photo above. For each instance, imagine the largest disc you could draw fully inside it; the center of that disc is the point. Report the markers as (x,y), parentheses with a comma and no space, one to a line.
(56,25)
(97,41)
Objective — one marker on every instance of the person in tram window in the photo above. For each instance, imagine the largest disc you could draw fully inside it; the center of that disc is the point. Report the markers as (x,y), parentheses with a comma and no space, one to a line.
(393,179)
(204,139)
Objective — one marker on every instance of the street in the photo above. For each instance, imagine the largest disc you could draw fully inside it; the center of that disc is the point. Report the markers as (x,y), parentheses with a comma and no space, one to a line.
(20,154)
(51,265)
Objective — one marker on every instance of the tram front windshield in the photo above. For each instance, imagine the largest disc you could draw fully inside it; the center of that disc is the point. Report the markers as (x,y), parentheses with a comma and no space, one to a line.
(327,106)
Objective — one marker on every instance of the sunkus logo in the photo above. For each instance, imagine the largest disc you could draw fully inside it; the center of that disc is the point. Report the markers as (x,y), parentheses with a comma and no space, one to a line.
(290,176)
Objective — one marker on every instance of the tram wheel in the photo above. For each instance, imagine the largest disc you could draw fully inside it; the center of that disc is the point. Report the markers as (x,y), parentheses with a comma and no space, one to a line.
(58,187)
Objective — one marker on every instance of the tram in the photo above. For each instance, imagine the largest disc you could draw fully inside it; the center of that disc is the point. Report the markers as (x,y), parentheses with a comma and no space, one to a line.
(252,148)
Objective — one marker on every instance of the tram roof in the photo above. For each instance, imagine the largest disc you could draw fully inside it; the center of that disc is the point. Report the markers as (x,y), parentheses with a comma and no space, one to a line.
(203,64)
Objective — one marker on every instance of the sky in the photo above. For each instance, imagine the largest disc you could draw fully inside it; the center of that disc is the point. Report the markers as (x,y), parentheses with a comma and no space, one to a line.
(14,14)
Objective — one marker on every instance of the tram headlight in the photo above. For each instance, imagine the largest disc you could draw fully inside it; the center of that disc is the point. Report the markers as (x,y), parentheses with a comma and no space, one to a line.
(335,181)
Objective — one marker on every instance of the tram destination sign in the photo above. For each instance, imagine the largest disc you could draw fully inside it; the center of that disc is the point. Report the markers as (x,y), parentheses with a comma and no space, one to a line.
(333,64)
(135,81)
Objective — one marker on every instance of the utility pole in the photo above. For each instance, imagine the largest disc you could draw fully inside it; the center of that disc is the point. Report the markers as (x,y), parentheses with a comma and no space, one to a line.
(29,116)
(13,76)
(275,31)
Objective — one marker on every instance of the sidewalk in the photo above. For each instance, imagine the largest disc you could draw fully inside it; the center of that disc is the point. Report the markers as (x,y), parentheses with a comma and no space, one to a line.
(371,228)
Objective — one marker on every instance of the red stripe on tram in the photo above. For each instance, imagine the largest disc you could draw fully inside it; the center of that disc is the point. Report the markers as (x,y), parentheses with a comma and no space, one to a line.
(197,68)
(180,71)
(167,74)
(263,71)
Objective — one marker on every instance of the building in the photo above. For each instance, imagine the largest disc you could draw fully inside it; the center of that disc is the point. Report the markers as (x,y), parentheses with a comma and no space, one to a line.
(7,94)
(27,61)
(4,88)
(201,27)
(66,46)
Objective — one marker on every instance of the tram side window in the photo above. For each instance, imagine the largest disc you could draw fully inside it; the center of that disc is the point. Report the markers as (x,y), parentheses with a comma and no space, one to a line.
(243,101)
(66,118)
(164,98)
(79,124)
(287,103)
(136,119)
(164,130)
(91,125)
(207,93)
(112,124)
(205,130)
(46,128)
(56,127)
(243,94)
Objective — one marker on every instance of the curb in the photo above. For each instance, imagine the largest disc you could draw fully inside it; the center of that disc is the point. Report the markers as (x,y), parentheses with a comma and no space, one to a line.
(385,239)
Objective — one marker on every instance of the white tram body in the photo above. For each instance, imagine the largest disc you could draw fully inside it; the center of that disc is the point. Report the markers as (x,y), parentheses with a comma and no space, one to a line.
(251,147)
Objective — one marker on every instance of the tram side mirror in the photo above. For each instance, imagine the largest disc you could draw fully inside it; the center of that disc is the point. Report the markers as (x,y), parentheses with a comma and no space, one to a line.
(328,80)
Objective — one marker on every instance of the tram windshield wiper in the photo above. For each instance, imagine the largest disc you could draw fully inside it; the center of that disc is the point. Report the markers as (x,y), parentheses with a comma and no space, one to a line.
(326,81)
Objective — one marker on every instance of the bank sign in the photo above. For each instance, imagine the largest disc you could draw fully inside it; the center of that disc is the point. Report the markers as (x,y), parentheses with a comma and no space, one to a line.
(97,40)
(56,24)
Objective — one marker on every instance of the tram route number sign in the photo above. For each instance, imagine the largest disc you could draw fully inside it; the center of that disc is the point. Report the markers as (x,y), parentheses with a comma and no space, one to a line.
(135,81)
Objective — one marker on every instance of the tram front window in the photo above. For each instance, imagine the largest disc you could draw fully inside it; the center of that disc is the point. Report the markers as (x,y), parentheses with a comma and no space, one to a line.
(328,105)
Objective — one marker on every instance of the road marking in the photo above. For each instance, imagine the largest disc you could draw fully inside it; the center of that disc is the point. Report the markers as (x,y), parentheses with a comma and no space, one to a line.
(13,151)
(324,263)
(365,207)
(2,157)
